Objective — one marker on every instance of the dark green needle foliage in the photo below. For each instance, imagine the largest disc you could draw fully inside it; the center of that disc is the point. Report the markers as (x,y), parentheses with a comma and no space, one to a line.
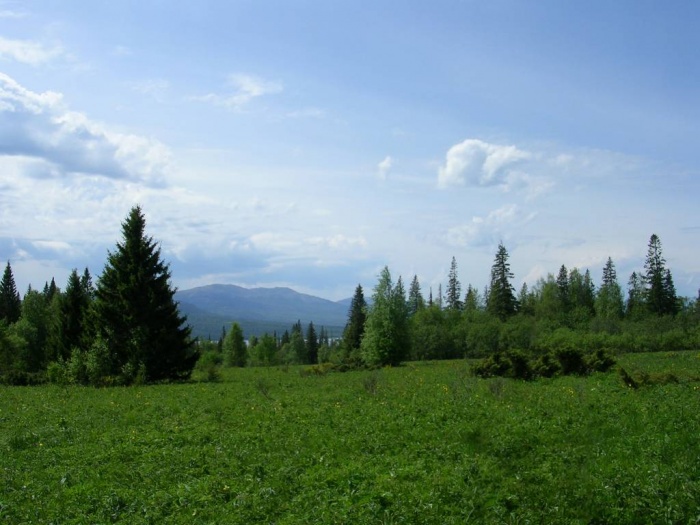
(135,313)
(10,302)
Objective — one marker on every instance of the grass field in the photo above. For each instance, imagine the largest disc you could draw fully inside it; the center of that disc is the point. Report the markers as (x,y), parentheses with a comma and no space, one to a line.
(422,443)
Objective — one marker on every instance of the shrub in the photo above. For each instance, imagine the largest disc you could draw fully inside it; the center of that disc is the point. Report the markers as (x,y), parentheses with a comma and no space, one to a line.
(571,361)
(495,365)
(546,366)
(600,361)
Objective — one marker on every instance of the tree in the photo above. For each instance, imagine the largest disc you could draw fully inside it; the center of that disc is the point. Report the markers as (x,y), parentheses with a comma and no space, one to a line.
(10,302)
(635,296)
(135,312)
(386,338)
(311,344)
(472,300)
(563,289)
(415,298)
(355,327)
(609,303)
(31,331)
(72,319)
(454,288)
(659,292)
(671,306)
(501,298)
(234,348)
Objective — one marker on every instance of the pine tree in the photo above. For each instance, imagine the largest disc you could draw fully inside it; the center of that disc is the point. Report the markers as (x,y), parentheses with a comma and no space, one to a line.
(501,294)
(415,298)
(454,288)
(135,312)
(355,327)
(10,302)
(234,349)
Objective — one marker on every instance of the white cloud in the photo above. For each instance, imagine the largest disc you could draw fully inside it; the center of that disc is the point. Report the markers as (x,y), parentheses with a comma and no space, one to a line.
(483,231)
(28,51)
(63,142)
(474,162)
(246,88)
(384,166)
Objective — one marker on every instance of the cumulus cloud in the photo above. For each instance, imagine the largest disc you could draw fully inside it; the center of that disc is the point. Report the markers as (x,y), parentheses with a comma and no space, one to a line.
(245,89)
(384,166)
(27,51)
(39,126)
(482,231)
(474,162)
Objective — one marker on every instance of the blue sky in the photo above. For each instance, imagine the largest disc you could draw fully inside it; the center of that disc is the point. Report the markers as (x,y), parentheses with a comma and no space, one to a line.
(310,143)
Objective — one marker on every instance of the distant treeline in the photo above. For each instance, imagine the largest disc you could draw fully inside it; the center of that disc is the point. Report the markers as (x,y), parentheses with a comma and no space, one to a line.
(128,329)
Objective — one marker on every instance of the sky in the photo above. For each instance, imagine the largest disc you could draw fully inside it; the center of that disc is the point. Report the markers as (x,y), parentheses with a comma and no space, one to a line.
(310,143)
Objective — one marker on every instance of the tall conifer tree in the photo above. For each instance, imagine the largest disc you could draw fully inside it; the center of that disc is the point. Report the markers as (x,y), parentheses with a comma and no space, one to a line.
(135,312)
(10,302)
(501,294)
(415,298)
(355,327)
(454,288)
(660,294)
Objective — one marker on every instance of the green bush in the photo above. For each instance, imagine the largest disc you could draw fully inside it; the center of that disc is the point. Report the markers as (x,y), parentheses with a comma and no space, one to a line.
(546,366)
(571,361)
(599,361)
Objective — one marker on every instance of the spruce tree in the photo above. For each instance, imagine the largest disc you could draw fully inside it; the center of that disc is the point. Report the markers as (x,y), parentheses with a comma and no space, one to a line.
(415,298)
(135,312)
(659,292)
(501,294)
(10,302)
(73,314)
(563,289)
(609,303)
(311,344)
(454,288)
(355,327)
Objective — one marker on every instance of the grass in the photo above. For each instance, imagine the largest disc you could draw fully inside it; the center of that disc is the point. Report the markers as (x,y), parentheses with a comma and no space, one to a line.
(422,443)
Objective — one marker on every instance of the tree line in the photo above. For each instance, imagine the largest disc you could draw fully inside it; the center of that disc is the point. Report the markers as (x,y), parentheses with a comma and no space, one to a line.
(563,317)
(127,329)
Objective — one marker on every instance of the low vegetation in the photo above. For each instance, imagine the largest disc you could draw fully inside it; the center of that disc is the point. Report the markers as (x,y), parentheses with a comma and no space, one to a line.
(421,443)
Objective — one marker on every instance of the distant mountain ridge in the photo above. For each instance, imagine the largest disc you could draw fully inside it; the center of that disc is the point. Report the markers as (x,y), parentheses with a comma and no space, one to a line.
(257,310)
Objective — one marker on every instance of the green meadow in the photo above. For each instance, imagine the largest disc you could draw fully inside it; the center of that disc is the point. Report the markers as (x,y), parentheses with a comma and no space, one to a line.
(420,443)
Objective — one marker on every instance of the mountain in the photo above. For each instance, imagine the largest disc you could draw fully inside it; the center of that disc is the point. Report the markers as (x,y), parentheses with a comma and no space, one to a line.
(257,310)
